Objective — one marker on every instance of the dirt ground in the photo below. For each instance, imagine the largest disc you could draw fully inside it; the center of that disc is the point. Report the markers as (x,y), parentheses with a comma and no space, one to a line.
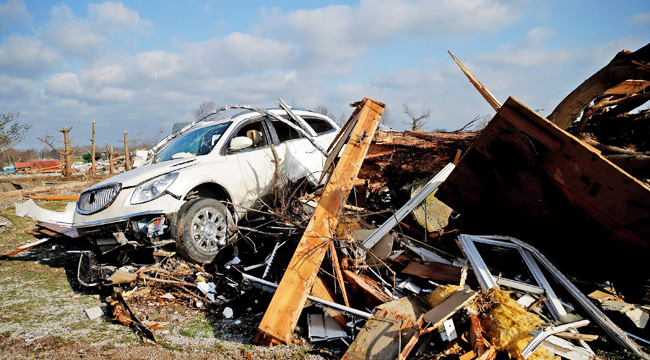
(42,312)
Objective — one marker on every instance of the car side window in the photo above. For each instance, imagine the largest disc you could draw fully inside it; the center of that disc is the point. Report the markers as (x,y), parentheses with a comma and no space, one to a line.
(255,132)
(284,131)
(319,125)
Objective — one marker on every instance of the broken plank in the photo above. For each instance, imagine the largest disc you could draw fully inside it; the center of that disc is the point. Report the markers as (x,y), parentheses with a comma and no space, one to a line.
(438,315)
(628,87)
(365,289)
(24,247)
(487,95)
(66,231)
(55,197)
(320,290)
(476,334)
(391,326)
(283,312)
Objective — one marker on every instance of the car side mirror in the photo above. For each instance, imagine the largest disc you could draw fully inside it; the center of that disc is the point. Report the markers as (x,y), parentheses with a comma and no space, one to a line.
(239,143)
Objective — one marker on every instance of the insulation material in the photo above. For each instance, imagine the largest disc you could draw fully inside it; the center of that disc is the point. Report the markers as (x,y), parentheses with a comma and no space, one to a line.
(508,325)
(440,294)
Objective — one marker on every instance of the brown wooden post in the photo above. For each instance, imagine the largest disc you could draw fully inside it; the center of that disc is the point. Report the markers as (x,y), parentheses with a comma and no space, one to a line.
(127,158)
(109,150)
(283,312)
(67,152)
(92,156)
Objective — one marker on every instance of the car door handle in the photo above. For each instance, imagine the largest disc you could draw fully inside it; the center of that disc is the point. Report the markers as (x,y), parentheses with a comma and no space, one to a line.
(310,151)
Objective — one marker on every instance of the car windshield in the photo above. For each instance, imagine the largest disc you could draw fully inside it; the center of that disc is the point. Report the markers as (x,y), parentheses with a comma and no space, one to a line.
(195,142)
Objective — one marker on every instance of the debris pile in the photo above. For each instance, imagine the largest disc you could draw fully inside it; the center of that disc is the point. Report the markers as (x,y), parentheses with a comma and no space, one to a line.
(378,272)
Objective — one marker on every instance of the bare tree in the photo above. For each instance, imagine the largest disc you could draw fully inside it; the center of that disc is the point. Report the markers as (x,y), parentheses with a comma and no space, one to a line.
(135,140)
(92,151)
(386,119)
(343,118)
(322,109)
(417,122)
(11,131)
(66,152)
(110,152)
(479,123)
(204,108)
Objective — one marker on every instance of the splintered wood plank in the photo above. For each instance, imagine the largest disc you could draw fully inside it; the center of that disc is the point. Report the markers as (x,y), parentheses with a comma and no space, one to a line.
(628,87)
(289,299)
(24,248)
(392,325)
(365,289)
(321,291)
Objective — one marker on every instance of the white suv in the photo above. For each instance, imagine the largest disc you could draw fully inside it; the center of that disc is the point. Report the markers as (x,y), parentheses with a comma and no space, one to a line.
(203,180)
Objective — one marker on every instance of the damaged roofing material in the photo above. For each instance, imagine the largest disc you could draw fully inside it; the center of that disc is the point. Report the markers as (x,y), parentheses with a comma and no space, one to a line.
(524,167)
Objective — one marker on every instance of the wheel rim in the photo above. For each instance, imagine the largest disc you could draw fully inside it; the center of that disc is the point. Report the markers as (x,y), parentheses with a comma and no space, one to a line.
(209,229)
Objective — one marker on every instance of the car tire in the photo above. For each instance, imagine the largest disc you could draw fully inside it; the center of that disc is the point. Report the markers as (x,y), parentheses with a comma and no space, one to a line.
(203,229)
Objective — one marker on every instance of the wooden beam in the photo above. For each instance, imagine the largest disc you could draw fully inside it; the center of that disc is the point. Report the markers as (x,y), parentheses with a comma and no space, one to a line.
(496,105)
(624,66)
(282,314)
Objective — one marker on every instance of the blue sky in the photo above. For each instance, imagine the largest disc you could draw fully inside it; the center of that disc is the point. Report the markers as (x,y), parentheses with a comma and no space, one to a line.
(144,65)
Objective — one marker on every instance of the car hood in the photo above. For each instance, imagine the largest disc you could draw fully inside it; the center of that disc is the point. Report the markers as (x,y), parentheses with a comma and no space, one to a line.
(137,176)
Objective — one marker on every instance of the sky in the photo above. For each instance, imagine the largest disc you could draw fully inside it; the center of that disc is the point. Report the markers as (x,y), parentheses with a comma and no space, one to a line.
(141,66)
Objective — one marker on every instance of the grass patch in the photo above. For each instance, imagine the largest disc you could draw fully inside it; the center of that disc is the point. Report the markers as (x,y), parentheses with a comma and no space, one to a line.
(198,325)
(172,347)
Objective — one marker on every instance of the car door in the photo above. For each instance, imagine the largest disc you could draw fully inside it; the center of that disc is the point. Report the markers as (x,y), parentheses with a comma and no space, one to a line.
(300,158)
(253,165)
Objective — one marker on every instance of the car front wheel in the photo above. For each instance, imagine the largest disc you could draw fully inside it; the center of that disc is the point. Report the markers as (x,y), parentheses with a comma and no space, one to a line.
(203,230)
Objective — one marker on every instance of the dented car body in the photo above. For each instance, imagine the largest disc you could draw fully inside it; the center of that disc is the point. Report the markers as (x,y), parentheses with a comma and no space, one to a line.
(201,182)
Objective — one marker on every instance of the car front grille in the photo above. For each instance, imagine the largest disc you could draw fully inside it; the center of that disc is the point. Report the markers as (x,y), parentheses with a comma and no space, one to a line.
(97,199)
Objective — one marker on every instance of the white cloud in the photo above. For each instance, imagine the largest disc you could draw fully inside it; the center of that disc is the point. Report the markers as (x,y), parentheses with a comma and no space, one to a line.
(158,64)
(339,34)
(95,76)
(13,13)
(68,85)
(238,53)
(15,88)
(75,40)
(63,84)
(91,37)
(27,56)
(111,17)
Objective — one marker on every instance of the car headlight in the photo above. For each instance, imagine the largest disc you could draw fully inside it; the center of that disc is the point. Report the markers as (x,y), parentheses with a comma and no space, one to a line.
(152,188)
